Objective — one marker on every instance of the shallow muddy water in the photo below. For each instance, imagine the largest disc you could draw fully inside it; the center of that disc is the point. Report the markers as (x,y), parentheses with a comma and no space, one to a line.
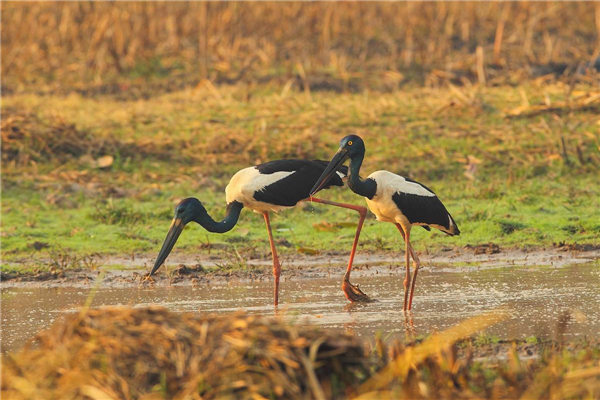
(537,296)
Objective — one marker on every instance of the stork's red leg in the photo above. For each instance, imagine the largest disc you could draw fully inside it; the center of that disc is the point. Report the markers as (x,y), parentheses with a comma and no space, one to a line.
(417,265)
(414,280)
(412,253)
(409,325)
(352,292)
(276,264)
(407,279)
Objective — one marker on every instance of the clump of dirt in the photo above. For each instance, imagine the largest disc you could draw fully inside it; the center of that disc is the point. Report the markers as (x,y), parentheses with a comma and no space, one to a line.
(35,276)
(576,246)
(195,274)
(486,248)
(198,274)
(184,270)
(37,245)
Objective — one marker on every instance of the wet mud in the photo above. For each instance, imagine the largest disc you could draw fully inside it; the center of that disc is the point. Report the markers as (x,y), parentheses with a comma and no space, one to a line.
(184,269)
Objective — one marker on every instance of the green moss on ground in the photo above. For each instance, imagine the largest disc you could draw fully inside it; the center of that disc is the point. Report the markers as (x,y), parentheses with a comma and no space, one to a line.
(515,182)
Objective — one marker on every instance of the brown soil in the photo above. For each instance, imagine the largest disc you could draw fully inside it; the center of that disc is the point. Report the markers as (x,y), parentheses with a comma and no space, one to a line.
(192,269)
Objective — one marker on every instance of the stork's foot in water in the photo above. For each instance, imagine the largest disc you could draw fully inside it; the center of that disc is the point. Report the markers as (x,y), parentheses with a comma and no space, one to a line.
(354,294)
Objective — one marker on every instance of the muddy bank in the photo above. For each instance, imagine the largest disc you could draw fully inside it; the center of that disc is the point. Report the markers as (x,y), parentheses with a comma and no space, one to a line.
(185,269)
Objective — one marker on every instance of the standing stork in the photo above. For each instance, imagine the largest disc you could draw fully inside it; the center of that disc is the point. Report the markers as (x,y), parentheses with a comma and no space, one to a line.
(272,186)
(392,198)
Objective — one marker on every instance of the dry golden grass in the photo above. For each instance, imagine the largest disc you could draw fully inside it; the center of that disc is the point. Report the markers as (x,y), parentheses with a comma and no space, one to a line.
(152,353)
(439,132)
(125,353)
(319,44)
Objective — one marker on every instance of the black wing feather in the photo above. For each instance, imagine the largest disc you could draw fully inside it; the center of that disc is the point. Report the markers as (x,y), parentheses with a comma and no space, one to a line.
(425,210)
(291,189)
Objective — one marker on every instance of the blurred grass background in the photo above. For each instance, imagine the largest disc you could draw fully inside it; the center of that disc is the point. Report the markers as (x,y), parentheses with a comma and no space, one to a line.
(112,112)
(326,45)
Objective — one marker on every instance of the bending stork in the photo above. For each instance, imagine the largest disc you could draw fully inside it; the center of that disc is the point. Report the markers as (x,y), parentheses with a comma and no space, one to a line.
(392,198)
(272,186)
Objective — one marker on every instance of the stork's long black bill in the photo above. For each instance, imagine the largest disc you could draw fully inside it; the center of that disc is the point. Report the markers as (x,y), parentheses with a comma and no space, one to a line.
(338,159)
(174,231)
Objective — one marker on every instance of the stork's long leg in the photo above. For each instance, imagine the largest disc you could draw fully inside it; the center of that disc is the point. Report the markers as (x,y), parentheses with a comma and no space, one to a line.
(407,279)
(412,285)
(412,253)
(409,325)
(352,292)
(417,265)
(276,264)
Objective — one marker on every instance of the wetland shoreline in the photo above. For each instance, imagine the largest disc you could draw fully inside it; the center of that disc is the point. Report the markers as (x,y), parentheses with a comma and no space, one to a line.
(187,269)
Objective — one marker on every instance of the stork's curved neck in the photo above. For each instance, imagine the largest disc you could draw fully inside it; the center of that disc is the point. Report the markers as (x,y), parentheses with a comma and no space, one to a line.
(231,218)
(367,187)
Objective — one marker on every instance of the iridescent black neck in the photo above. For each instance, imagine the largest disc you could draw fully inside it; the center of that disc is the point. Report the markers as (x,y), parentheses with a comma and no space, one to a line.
(367,187)
(231,218)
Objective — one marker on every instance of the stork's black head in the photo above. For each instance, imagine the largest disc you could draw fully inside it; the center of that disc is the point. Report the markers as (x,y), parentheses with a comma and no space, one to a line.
(351,146)
(188,210)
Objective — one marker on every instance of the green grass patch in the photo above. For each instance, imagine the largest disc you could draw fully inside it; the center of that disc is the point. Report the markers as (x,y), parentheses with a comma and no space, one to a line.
(507,181)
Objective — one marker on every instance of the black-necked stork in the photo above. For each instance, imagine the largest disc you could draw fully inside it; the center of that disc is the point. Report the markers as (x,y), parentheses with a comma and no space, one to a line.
(272,186)
(392,198)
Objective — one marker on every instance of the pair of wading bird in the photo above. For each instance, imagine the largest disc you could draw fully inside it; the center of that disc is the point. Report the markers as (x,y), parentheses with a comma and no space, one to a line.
(282,184)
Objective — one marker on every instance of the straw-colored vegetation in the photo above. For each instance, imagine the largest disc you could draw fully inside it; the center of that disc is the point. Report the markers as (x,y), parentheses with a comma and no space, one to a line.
(122,353)
(318,45)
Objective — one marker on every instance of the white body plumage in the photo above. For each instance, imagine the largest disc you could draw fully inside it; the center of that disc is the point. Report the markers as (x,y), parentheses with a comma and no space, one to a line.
(277,185)
(246,182)
(387,210)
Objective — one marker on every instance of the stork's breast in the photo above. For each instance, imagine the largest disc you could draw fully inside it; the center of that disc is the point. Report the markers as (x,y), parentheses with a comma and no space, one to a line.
(381,210)
(237,188)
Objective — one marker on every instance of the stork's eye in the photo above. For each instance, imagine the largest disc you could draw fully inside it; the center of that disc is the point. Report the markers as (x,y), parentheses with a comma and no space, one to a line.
(350,143)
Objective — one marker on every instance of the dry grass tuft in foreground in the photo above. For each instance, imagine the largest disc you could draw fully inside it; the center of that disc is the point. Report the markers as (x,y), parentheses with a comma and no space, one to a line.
(123,353)
(151,353)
